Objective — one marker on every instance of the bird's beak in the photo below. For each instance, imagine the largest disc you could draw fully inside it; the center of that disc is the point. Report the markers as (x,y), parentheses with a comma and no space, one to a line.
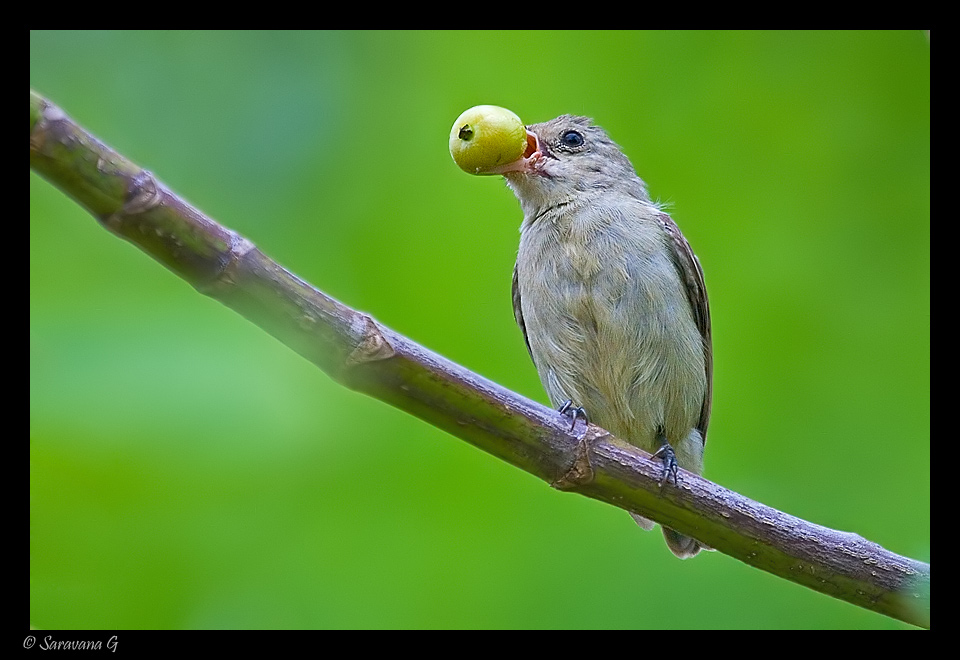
(527,163)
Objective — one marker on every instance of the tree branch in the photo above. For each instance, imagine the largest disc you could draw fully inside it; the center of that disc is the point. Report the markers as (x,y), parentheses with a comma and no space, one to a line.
(367,357)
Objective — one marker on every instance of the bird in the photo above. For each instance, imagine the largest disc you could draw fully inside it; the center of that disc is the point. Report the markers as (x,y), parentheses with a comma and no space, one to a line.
(611,299)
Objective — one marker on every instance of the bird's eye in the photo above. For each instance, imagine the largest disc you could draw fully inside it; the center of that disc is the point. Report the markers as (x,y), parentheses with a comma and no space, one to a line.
(571,139)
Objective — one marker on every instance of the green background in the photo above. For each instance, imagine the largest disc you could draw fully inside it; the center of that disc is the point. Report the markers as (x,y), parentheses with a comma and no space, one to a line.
(188,471)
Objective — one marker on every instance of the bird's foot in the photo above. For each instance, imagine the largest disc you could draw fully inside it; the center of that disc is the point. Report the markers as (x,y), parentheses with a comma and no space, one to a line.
(670,465)
(573,411)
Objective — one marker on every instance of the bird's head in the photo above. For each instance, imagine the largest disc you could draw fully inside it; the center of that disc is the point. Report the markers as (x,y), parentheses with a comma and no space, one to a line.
(568,157)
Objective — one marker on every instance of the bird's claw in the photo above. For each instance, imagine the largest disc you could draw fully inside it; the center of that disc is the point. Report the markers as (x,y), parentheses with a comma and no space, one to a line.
(573,411)
(670,465)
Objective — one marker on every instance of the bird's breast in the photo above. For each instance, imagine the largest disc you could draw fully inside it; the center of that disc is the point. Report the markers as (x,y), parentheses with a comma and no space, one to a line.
(609,326)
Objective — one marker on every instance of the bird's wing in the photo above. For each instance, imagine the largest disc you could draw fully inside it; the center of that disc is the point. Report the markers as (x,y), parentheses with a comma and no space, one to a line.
(692,275)
(518,311)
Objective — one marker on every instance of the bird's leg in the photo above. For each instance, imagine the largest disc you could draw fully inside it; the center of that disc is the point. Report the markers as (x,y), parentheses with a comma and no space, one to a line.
(568,409)
(669,459)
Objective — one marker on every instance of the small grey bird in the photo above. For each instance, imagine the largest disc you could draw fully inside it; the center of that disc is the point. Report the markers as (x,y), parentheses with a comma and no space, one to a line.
(611,299)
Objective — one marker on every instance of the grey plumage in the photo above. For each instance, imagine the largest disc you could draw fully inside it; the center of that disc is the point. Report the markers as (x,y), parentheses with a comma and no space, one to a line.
(610,297)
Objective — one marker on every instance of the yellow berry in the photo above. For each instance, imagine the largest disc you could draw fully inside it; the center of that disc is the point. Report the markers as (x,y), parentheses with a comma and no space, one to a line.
(486,136)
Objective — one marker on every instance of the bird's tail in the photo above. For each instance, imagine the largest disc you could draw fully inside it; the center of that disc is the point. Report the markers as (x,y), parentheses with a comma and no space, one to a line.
(682,546)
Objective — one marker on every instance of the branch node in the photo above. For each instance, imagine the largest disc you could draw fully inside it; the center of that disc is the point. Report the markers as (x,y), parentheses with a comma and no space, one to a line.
(581,472)
(373,346)
(49,114)
(143,194)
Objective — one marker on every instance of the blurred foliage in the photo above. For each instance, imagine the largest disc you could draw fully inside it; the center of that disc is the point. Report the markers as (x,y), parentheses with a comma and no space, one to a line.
(188,471)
